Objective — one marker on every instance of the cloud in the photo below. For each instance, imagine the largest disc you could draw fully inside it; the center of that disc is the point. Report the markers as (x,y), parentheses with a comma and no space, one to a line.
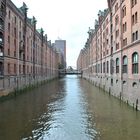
(68,19)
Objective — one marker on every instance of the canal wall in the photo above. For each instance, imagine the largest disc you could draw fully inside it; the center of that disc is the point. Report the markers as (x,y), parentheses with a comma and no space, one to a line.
(10,84)
(127,90)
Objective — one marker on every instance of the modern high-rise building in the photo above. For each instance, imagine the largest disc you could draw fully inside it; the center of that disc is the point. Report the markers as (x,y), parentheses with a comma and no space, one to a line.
(60,45)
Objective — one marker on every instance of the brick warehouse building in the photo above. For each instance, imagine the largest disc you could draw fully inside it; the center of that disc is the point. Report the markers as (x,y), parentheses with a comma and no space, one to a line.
(26,56)
(111,56)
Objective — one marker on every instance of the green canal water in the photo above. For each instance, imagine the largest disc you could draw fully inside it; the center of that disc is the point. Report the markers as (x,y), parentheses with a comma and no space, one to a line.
(68,109)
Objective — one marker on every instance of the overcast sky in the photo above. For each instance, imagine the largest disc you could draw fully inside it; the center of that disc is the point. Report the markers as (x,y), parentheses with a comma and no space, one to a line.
(66,19)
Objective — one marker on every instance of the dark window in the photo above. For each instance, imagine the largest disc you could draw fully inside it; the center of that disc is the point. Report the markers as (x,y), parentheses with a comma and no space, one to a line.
(107,66)
(104,67)
(111,82)
(117,65)
(124,64)
(9,15)
(136,17)
(135,62)
(15,68)
(15,32)
(9,27)
(116,20)
(136,35)
(8,68)
(8,39)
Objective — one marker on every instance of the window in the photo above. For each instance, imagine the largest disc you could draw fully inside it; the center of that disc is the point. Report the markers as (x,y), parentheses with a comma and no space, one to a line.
(111,82)
(117,46)
(20,35)
(14,53)
(9,27)
(125,64)
(133,3)
(104,67)
(124,41)
(111,66)
(8,39)
(107,66)
(106,21)
(116,7)
(111,28)
(111,40)
(15,43)
(135,62)
(134,36)
(99,68)
(134,18)
(15,70)
(8,51)
(9,14)
(8,68)
(117,33)
(124,27)
(1,38)
(15,32)
(123,11)
(117,65)
(116,20)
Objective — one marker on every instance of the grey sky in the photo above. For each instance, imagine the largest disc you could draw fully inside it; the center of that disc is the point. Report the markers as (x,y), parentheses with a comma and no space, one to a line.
(66,19)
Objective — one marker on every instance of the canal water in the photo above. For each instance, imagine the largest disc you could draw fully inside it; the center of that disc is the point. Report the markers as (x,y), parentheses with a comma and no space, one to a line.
(68,109)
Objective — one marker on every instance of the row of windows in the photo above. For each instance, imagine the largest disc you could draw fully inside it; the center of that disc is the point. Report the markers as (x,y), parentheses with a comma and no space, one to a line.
(21,69)
(133,3)
(98,67)
(134,21)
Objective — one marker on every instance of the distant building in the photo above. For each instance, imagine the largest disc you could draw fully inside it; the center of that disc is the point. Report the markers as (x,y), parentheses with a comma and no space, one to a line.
(60,45)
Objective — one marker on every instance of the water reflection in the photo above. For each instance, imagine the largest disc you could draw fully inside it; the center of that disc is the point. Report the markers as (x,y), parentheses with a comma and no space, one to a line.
(67,109)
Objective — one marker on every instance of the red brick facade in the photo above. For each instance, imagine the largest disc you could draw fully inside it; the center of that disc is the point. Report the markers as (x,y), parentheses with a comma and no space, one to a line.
(111,56)
(26,56)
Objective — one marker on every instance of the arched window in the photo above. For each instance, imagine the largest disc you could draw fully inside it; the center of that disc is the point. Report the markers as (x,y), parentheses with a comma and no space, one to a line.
(125,64)
(117,65)
(135,62)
